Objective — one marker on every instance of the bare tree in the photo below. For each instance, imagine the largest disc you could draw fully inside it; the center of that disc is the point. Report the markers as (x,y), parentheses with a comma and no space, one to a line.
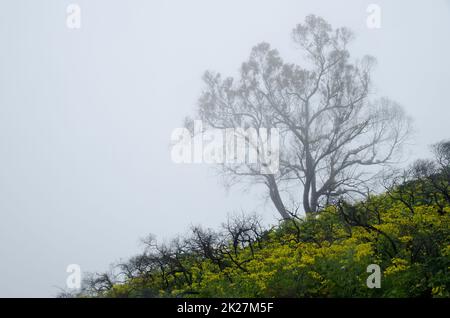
(426,181)
(331,131)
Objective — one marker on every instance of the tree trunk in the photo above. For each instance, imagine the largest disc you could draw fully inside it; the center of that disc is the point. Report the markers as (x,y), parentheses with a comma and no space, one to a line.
(276,198)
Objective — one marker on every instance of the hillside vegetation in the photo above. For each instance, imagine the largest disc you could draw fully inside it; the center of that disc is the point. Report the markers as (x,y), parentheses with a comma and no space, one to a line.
(405,230)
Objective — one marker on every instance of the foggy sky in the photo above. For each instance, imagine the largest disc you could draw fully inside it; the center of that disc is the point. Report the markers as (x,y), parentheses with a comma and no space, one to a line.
(86,116)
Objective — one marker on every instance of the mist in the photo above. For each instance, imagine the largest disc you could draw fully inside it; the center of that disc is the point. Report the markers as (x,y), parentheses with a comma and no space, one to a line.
(86,116)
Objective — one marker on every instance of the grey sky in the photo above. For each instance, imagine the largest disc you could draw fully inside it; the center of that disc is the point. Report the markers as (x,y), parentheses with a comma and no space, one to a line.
(86,115)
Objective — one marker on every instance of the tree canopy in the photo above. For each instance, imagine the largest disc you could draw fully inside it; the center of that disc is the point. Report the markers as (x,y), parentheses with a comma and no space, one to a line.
(332,129)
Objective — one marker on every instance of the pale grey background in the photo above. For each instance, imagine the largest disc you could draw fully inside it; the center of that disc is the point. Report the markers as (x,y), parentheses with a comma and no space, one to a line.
(86,115)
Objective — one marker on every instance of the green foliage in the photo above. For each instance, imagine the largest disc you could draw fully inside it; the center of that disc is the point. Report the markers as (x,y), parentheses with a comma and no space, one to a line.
(327,257)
